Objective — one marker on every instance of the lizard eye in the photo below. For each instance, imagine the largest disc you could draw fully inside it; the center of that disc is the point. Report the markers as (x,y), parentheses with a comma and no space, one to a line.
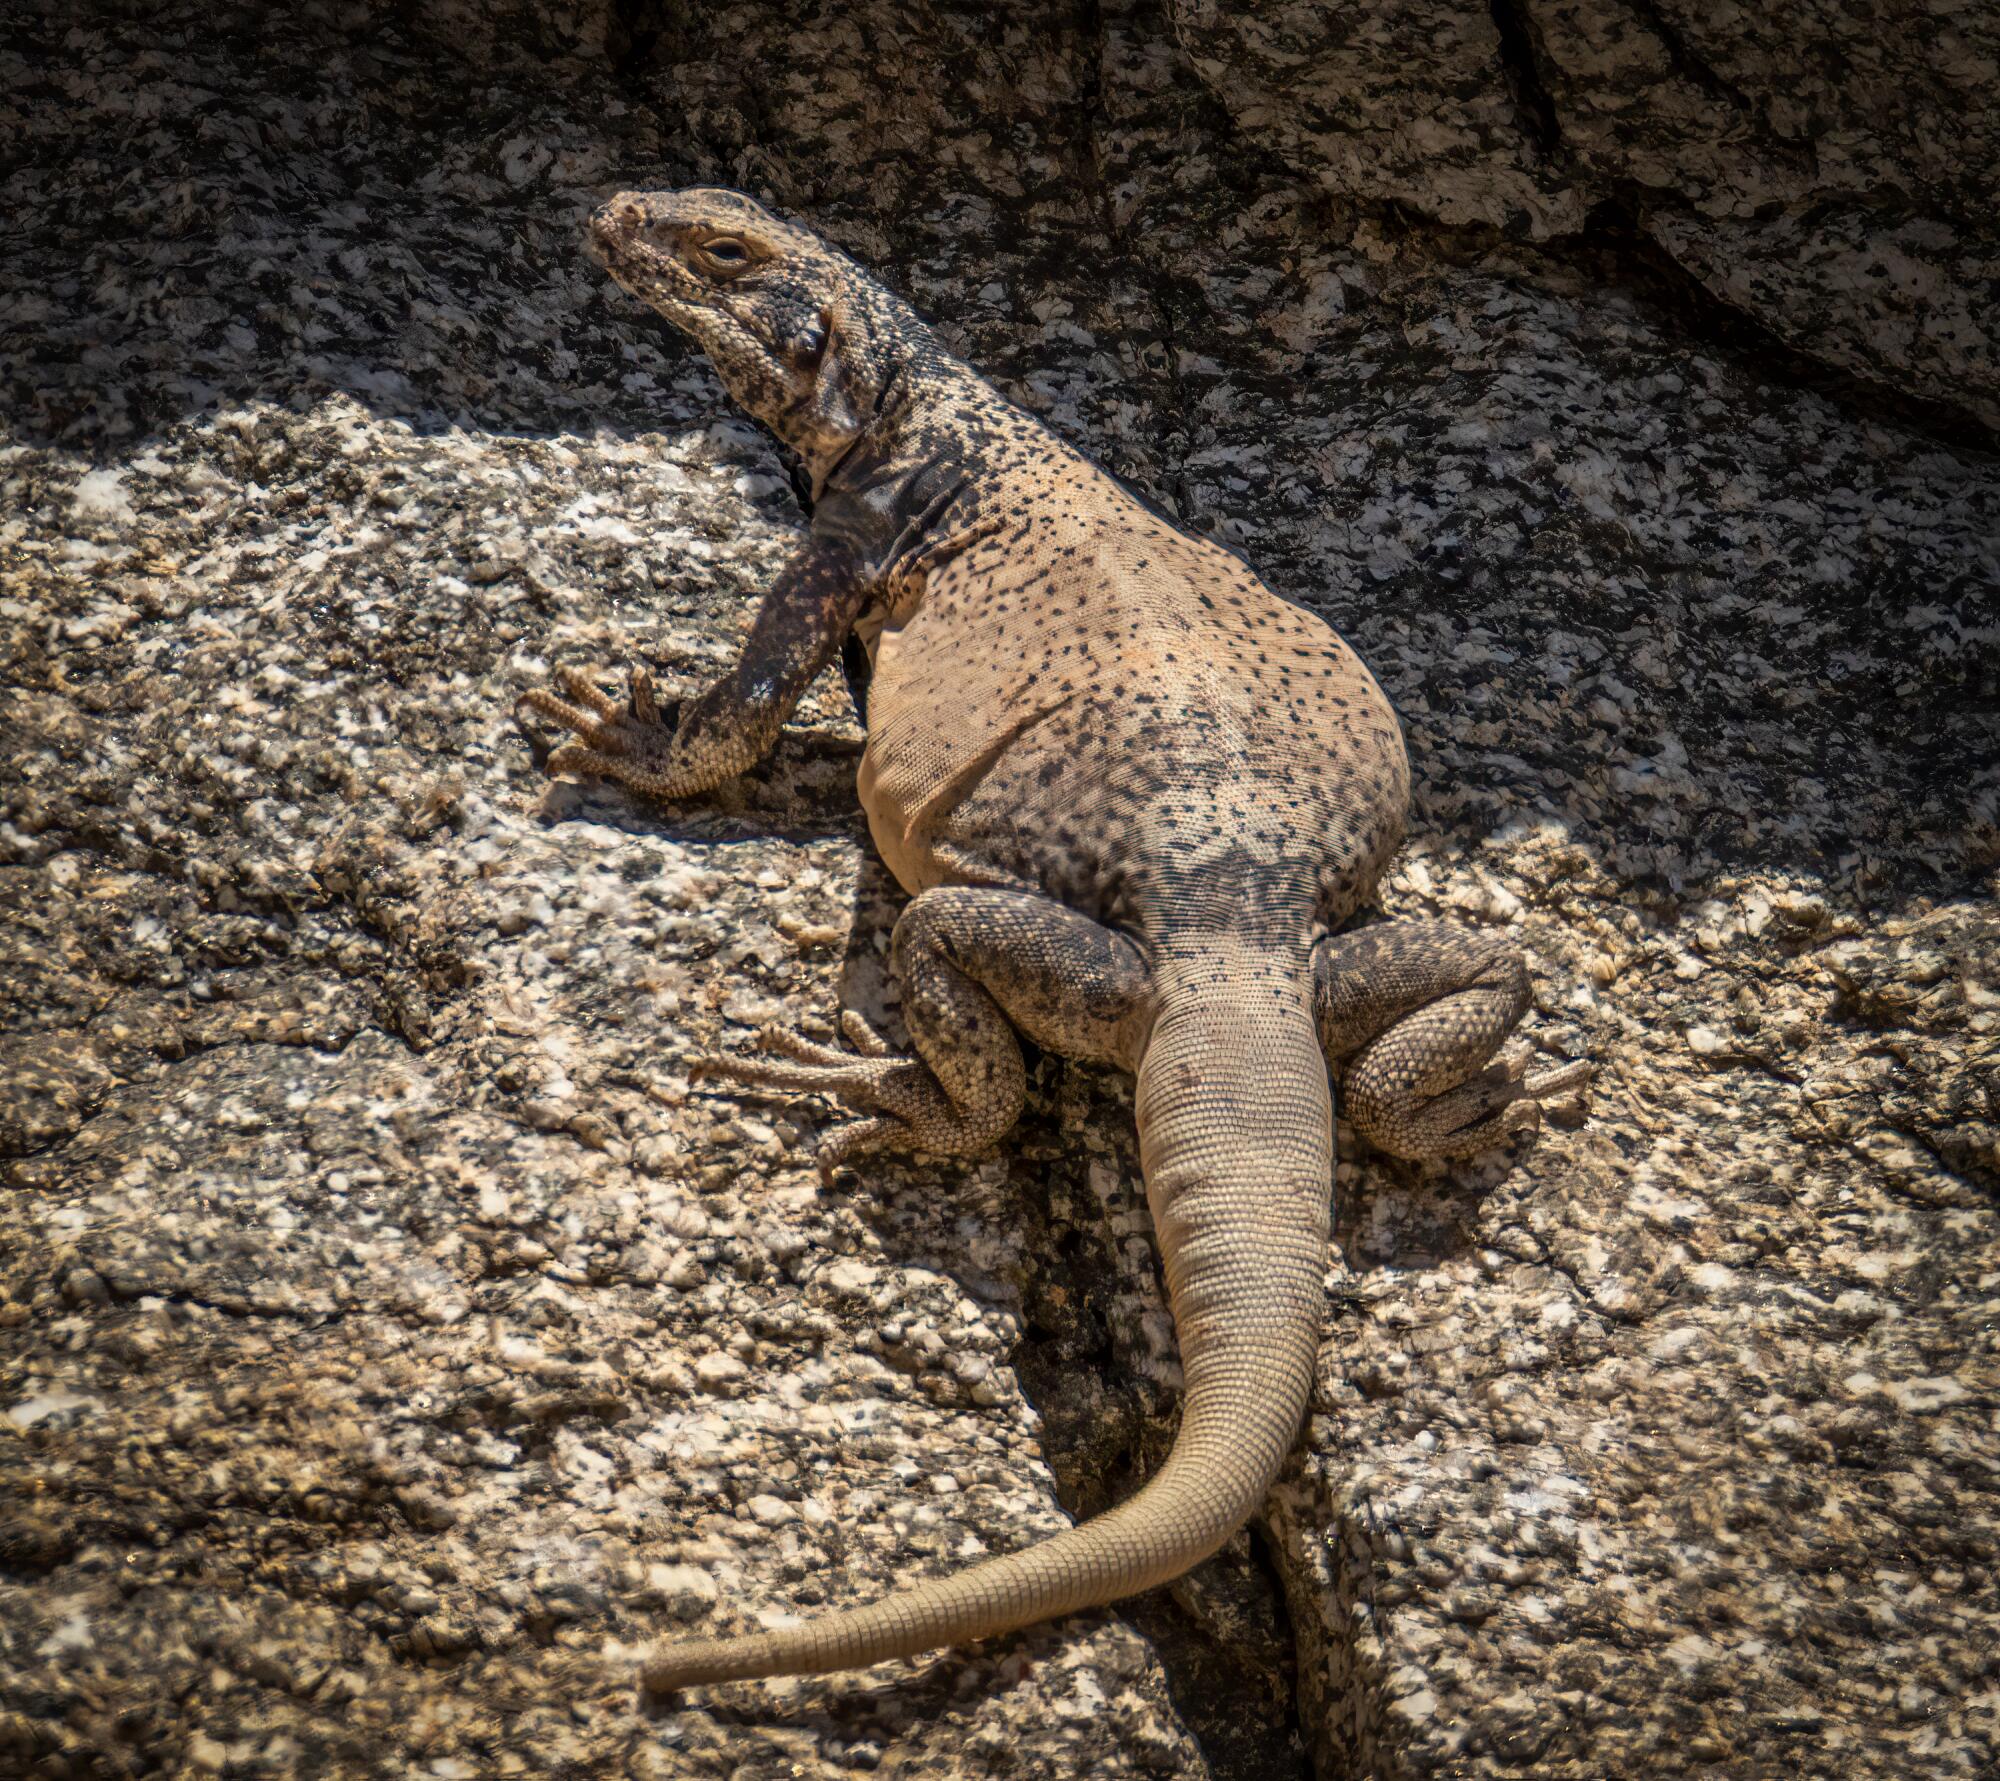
(724,254)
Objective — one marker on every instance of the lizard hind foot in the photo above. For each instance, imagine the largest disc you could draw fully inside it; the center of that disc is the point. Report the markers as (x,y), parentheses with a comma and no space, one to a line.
(902,1104)
(893,1091)
(1501,1101)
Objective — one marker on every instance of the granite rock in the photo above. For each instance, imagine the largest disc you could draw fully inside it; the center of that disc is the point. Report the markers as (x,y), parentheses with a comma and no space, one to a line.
(1826,168)
(392,1338)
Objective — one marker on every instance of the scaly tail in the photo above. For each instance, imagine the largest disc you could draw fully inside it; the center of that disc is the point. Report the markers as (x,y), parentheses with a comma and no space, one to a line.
(1235,1132)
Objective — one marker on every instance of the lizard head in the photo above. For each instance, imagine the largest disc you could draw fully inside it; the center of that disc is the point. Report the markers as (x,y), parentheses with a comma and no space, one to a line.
(801,336)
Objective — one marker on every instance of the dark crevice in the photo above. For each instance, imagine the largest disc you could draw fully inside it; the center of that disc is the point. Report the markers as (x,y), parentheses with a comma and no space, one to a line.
(1263,1556)
(631,36)
(1521,70)
(1174,415)
(1223,1636)
(1683,60)
(1616,251)
(1619,255)
(1615,236)
(1090,105)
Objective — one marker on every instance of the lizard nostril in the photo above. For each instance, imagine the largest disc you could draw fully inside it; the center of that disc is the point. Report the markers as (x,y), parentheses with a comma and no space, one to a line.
(615,218)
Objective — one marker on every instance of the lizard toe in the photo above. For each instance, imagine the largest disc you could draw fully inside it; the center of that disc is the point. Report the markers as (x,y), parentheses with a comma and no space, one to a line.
(795,1045)
(789,1078)
(858,1138)
(582,760)
(1561,1087)
(636,730)
(903,1105)
(887,1082)
(571,717)
(586,692)
(863,1037)
(642,703)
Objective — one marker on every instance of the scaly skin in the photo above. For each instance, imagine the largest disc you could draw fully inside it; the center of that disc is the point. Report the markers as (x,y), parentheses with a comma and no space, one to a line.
(1133,794)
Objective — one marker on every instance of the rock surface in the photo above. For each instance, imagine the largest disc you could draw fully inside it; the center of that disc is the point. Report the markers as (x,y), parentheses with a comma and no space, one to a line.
(1827,168)
(391,1340)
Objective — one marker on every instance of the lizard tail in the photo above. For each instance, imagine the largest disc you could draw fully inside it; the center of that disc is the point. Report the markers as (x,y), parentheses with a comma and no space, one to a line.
(1235,1132)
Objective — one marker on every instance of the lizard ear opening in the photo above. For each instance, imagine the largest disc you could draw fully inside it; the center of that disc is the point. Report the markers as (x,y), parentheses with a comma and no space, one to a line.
(808,347)
(837,402)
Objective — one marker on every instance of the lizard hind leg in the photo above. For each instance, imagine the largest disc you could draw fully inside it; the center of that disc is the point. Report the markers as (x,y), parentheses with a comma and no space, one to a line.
(975,965)
(1411,1014)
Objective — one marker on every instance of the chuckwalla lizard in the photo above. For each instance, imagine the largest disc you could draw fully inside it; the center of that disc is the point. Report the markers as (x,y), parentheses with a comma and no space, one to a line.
(1133,796)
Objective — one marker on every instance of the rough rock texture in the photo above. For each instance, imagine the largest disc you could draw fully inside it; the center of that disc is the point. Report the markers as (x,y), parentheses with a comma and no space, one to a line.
(1827,167)
(390,1340)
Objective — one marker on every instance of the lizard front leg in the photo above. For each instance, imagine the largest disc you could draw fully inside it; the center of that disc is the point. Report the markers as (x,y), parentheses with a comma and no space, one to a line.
(975,966)
(800,626)
(1409,1012)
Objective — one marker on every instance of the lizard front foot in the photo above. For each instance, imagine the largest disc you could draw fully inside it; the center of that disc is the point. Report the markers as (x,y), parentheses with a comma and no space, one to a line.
(904,1107)
(630,743)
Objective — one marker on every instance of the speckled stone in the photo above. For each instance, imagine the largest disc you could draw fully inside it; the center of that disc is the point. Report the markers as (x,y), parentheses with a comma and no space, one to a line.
(392,1340)
(1827,168)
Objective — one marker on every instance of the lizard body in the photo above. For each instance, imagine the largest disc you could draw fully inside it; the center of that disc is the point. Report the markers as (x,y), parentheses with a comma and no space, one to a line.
(1133,794)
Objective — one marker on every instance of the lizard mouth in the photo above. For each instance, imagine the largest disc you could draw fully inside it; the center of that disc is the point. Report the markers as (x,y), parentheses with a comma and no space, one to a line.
(656,278)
